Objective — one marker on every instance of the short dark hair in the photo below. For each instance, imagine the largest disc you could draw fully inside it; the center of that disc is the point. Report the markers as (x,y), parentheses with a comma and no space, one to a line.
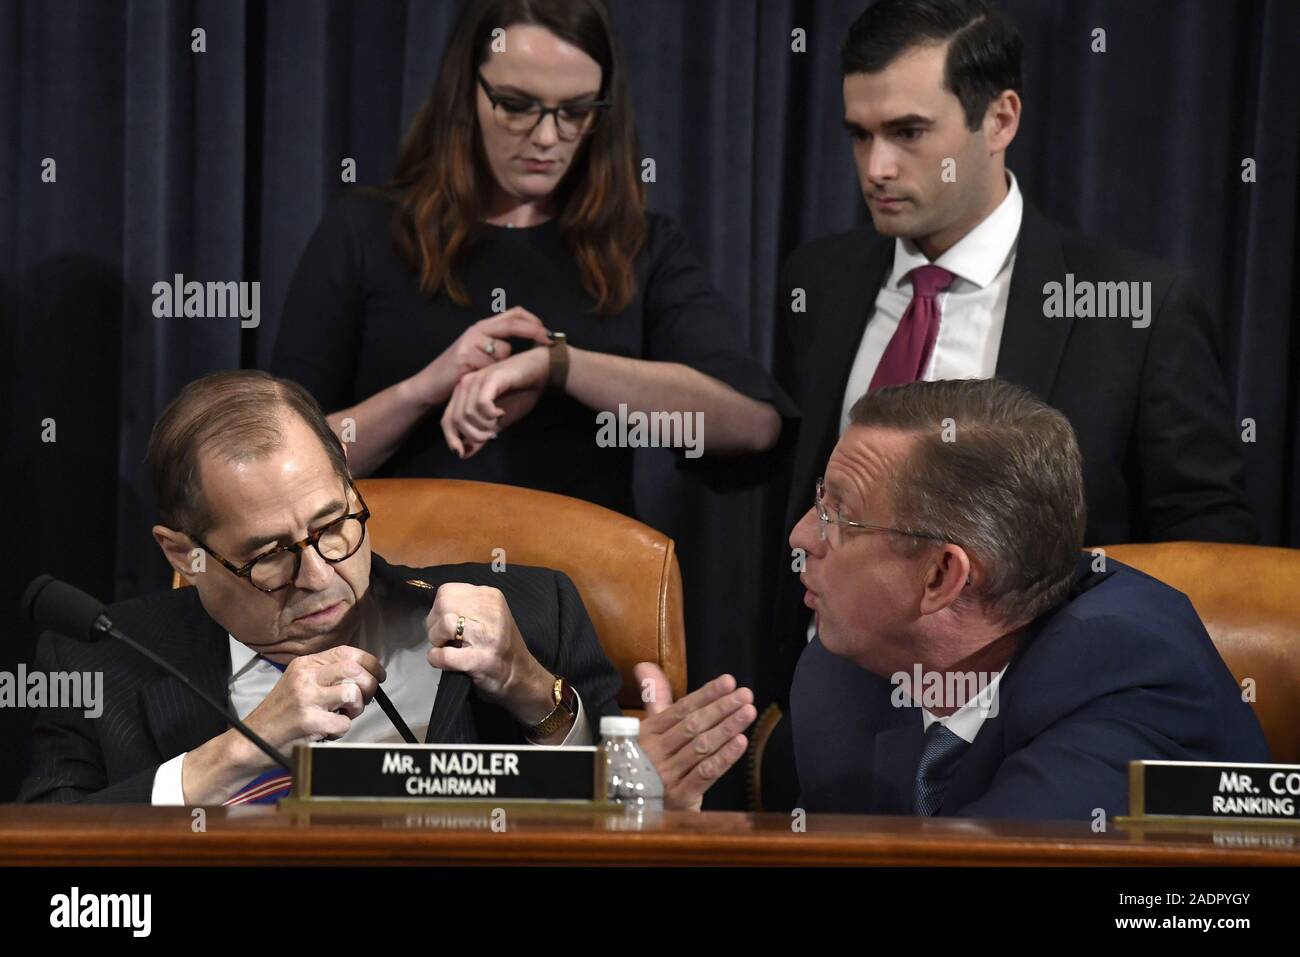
(983,58)
(1003,478)
(240,415)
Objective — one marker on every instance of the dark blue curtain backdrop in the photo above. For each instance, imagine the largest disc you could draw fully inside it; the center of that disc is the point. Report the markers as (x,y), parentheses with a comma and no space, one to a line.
(218,165)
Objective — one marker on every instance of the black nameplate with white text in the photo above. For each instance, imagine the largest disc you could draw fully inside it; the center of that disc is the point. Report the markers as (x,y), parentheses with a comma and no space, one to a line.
(436,772)
(1214,791)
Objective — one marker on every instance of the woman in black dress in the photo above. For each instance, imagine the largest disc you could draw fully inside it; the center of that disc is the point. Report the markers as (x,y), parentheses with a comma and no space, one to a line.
(421,314)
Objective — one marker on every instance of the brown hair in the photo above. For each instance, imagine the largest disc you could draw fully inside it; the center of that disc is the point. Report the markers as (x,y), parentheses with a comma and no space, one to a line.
(442,177)
(237,415)
(995,470)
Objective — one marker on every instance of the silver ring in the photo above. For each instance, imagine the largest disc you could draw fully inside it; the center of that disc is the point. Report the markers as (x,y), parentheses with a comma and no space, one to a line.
(491,347)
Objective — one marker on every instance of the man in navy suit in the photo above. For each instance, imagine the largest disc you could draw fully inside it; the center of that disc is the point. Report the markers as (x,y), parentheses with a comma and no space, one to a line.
(931,106)
(970,659)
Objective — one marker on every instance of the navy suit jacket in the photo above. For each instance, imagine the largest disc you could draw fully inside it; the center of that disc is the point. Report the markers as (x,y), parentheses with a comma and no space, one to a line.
(1123,670)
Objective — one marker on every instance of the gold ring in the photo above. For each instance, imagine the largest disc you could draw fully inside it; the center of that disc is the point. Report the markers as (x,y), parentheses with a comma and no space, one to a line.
(460,628)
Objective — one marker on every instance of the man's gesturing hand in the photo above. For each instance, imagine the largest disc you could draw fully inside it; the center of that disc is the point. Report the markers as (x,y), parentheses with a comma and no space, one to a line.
(694,741)
(317,697)
(491,651)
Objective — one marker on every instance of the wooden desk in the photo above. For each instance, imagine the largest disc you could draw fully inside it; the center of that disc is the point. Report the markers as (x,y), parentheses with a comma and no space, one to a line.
(87,835)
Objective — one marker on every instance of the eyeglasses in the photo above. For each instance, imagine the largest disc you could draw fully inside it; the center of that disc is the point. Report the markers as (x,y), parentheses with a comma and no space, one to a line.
(521,115)
(830,524)
(336,542)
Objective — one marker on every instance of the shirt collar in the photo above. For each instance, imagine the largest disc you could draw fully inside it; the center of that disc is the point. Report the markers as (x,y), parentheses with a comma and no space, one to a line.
(978,256)
(967,720)
(242,657)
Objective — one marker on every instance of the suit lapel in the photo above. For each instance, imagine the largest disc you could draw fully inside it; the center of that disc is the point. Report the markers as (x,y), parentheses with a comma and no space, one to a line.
(1032,343)
(989,750)
(896,756)
(177,719)
(452,719)
(853,296)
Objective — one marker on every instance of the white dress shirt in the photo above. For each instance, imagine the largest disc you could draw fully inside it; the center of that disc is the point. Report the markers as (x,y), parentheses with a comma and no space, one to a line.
(967,720)
(972,309)
(393,633)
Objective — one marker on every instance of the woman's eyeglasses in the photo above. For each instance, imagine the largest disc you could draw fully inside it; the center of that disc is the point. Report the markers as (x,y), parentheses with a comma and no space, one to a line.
(521,115)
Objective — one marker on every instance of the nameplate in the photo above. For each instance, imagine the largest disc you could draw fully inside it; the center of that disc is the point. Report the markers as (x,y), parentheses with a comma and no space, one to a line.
(1215,791)
(444,772)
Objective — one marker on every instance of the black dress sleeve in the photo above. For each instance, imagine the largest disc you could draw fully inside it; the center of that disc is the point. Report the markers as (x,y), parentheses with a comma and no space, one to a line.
(320,328)
(688,321)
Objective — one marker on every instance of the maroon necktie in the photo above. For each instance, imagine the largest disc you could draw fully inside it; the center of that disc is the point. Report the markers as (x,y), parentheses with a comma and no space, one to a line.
(909,350)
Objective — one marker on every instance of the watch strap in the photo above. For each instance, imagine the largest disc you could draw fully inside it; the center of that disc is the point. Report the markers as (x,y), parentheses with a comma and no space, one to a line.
(562,715)
(558,374)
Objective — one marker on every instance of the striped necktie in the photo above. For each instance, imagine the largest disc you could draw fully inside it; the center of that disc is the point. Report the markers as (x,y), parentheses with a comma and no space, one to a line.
(269,786)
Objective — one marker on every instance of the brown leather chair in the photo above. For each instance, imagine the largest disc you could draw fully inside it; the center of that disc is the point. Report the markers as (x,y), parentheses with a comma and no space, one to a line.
(1248,596)
(626,572)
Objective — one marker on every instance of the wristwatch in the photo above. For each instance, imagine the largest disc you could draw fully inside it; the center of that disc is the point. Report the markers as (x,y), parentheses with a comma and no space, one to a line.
(562,715)
(559,362)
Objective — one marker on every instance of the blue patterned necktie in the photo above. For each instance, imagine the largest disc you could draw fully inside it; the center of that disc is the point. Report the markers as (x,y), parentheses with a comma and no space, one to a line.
(939,757)
(269,786)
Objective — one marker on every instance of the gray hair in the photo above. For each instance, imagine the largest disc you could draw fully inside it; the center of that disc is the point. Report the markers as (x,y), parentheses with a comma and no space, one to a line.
(239,416)
(992,469)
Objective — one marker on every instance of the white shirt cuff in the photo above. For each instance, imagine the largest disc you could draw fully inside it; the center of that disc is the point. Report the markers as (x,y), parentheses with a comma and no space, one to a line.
(167,786)
(580,734)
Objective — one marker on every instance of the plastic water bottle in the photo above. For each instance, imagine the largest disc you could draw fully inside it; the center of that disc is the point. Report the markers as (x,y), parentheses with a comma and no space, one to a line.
(630,777)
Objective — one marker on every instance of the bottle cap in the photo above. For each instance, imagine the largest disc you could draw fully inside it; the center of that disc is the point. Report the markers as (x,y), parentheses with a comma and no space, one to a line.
(610,726)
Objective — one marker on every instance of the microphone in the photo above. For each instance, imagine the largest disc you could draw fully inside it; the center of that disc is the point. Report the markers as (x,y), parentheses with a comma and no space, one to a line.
(63,608)
(60,607)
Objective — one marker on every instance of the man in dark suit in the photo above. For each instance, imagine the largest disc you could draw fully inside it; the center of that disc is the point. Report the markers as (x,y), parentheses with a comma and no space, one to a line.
(963,277)
(969,659)
(296,625)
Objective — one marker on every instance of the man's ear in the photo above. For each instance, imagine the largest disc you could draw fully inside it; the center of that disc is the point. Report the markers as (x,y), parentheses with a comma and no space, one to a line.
(950,573)
(1002,121)
(180,552)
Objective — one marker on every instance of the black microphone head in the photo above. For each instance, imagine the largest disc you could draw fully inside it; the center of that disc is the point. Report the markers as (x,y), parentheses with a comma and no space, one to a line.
(58,606)
(29,596)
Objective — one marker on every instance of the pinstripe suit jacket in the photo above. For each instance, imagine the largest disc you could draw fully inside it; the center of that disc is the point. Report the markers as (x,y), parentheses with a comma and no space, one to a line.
(149,716)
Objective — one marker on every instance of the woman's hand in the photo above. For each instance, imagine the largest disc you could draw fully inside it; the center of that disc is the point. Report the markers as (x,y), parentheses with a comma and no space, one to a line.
(478,347)
(490,399)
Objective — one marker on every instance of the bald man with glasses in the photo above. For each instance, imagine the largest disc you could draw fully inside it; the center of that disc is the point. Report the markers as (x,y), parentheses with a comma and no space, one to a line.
(297,625)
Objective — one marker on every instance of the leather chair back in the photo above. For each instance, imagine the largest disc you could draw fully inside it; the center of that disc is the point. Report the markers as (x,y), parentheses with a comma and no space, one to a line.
(1248,596)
